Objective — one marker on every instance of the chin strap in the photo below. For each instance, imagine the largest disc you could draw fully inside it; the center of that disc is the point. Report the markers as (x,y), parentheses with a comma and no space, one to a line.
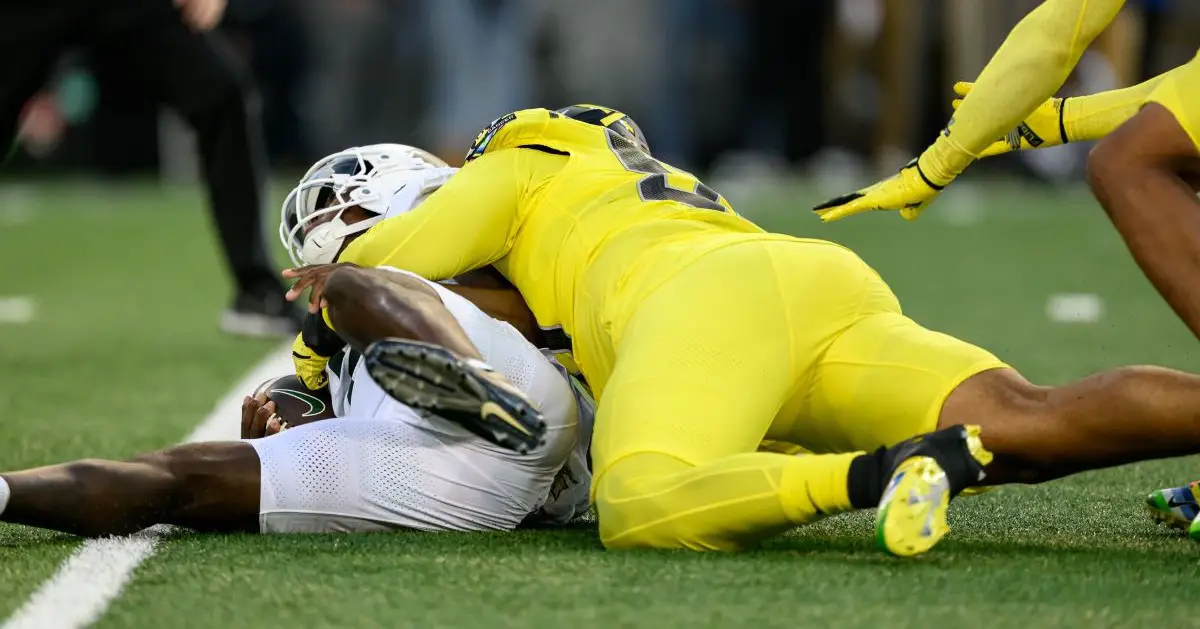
(323,243)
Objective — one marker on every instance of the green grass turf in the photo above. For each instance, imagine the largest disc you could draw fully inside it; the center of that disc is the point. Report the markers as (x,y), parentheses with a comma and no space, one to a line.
(127,357)
(124,355)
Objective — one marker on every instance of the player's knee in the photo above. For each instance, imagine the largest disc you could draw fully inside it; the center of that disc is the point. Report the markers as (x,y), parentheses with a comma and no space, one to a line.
(634,512)
(622,509)
(1013,415)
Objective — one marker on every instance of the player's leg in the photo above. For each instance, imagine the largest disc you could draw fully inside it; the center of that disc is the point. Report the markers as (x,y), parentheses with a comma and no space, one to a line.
(416,350)
(202,486)
(702,370)
(886,378)
(1111,418)
(699,374)
(374,474)
(1145,175)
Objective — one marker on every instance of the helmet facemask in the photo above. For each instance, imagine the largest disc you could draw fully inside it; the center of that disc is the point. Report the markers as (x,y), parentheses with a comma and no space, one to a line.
(311,223)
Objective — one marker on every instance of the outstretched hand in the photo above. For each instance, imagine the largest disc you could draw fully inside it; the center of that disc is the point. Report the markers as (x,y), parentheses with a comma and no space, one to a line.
(313,278)
(907,192)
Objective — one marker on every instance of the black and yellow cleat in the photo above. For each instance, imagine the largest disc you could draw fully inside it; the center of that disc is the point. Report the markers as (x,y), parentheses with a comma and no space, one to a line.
(925,472)
(432,378)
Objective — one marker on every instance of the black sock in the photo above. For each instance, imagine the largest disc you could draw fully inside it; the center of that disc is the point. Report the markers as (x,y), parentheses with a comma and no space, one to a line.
(864,484)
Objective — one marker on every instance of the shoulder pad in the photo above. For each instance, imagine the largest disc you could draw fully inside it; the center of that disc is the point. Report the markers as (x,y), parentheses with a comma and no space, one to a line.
(535,127)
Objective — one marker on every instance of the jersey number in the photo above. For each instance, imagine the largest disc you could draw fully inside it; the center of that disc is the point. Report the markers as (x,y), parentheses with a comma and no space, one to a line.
(654,186)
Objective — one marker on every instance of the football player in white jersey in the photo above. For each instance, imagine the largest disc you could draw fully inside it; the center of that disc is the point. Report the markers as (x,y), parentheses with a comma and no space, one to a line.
(378,465)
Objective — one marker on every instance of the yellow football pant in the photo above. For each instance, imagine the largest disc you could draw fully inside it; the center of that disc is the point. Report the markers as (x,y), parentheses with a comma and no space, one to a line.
(791,340)
(1179,92)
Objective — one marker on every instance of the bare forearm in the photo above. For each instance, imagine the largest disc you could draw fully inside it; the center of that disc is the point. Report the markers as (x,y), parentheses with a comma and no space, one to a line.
(366,305)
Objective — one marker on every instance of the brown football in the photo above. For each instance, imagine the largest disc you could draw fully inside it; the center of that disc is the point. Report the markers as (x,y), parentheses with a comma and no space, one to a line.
(295,403)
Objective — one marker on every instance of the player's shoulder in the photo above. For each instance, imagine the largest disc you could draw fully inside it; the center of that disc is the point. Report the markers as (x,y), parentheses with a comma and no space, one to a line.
(534,128)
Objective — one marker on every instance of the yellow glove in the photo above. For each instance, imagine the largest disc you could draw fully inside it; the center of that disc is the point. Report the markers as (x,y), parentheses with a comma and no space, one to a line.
(1041,129)
(908,191)
(310,366)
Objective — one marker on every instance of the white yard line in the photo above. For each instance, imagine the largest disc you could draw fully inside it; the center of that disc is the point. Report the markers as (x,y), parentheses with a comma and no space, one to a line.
(17,310)
(92,577)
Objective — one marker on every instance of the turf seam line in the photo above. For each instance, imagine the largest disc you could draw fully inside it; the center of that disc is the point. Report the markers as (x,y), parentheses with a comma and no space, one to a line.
(92,577)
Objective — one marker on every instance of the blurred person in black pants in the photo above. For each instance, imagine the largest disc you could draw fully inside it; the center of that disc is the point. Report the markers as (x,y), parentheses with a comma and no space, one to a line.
(165,47)
(785,70)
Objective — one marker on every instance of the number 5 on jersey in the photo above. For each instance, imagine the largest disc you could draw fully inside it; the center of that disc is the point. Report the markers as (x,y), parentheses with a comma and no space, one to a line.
(661,182)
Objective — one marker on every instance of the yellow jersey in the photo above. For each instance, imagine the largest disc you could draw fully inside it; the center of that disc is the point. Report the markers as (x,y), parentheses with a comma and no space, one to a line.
(549,198)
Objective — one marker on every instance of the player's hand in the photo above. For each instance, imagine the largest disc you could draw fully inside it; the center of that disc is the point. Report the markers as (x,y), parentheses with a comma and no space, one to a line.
(907,192)
(1042,129)
(311,277)
(201,15)
(310,366)
(259,418)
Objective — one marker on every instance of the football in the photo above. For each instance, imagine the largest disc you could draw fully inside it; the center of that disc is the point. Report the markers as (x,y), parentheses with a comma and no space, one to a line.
(295,403)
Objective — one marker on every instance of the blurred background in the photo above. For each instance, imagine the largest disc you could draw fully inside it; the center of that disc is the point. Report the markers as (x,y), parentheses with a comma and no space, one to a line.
(719,85)
(777,104)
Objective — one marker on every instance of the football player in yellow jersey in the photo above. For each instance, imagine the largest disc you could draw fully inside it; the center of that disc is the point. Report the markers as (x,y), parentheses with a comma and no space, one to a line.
(702,336)
(1145,171)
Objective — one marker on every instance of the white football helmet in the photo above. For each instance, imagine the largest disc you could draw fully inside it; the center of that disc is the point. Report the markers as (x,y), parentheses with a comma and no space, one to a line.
(365,176)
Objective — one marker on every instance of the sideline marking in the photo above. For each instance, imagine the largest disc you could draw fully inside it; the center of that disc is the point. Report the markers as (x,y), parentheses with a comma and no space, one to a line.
(93,576)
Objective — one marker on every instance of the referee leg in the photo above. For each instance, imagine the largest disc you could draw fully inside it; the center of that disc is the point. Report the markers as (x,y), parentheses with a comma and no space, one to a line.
(195,74)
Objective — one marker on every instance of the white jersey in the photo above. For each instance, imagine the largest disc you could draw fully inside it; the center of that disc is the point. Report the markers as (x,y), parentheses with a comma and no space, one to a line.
(383,465)
(569,494)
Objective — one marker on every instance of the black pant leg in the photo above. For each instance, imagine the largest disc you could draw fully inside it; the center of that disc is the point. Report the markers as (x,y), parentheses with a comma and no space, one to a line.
(198,76)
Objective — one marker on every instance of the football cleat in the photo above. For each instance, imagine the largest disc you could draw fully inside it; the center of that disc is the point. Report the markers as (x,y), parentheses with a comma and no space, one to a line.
(434,379)
(1176,507)
(925,473)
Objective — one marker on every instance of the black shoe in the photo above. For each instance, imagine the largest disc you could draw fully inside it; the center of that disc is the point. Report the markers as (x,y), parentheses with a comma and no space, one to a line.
(432,378)
(261,314)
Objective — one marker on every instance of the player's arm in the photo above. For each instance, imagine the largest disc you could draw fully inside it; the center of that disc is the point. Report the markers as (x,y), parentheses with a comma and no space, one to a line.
(1031,65)
(467,224)
(1076,119)
(1145,175)
(368,304)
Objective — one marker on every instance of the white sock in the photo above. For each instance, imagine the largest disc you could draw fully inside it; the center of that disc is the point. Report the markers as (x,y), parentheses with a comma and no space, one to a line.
(3,494)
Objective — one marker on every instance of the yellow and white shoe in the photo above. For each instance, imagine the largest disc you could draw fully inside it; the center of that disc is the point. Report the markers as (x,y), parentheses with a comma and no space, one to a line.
(928,471)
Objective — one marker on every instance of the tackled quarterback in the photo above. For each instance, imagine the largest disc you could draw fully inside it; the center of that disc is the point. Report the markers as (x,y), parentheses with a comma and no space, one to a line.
(348,458)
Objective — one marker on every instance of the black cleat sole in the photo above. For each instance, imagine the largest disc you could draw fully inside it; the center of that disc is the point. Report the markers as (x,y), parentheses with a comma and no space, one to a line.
(431,378)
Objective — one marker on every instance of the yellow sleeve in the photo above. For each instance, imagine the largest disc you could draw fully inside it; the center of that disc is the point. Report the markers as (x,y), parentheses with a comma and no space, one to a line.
(1179,92)
(1030,66)
(1094,116)
(469,223)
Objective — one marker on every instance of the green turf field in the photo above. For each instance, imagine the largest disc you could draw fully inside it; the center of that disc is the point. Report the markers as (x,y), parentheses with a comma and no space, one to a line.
(123,355)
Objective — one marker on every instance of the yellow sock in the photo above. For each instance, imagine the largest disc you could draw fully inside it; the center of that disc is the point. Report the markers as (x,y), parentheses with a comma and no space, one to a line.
(653,500)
